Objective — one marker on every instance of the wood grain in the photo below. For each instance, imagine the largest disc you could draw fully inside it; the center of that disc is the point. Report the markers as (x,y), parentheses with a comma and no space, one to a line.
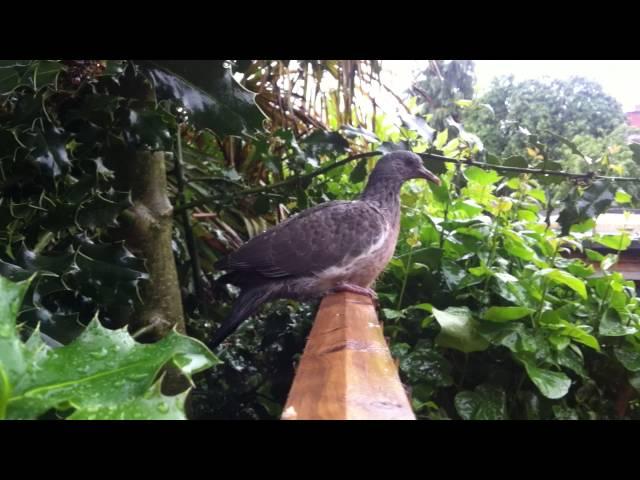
(346,371)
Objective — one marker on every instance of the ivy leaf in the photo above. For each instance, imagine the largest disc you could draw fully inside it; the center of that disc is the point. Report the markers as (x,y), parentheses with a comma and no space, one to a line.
(452,272)
(424,364)
(614,242)
(579,335)
(610,326)
(570,359)
(518,248)
(481,176)
(622,197)
(629,357)
(458,330)
(580,269)
(593,255)
(551,384)
(506,314)
(485,403)
(565,278)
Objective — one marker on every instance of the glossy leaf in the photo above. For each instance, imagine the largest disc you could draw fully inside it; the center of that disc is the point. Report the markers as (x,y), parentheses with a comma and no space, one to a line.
(425,364)
(481,176)
(505,314)
(210,93)
(629,357)
(615,242)
(564,278)
(485,403)
(151,406)
(103,371)
(458,330)
(551,384)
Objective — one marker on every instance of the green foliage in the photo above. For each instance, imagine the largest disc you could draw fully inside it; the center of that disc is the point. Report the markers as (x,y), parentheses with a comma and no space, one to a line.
(102,374)
(67,131)
(490,269)
(486,314)
(442,89)
(564,107)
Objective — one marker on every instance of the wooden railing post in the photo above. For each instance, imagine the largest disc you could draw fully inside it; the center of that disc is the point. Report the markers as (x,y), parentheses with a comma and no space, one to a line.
(346,371)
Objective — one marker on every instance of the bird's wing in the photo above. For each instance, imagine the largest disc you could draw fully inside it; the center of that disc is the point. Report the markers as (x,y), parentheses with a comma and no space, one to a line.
(310,242)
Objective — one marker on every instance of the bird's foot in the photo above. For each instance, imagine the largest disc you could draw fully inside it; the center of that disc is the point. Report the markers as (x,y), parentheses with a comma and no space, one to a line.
(350,287)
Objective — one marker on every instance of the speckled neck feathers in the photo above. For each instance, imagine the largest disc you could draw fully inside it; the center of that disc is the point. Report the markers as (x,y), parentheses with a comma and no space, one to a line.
(383,192)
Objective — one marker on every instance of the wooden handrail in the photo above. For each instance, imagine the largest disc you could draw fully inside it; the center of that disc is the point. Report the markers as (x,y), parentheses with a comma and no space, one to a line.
(346,371)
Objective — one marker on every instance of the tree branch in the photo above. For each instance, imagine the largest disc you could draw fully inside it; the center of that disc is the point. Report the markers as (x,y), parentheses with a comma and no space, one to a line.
(430,156)
(534,171)
(284,183)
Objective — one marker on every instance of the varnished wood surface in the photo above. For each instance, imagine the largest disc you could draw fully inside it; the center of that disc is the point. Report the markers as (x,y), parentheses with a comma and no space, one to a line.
(346,371)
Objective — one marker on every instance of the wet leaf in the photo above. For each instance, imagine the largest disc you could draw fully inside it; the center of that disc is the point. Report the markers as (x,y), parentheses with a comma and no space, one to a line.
(615,242)
(458,330)
(629,357)
(102,373)
(565,278)
(505,314)
(487,402)
(209,92)
(551,384)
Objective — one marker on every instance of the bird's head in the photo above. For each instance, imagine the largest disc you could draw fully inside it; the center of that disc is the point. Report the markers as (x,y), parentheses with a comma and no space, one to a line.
(403,165)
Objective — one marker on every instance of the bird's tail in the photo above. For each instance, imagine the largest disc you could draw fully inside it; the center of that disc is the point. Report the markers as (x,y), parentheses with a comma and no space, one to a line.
(246,305)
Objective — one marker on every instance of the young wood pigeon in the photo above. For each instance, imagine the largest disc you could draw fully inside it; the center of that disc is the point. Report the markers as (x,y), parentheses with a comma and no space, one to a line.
(334,246)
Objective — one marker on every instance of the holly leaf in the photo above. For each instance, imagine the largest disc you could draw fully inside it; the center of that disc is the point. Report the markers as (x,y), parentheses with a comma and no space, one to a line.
(47,149)
(209,92)
(102,373)
(150,406)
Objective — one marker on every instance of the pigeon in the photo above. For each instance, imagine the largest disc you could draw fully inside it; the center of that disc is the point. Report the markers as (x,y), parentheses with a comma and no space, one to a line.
(332,247)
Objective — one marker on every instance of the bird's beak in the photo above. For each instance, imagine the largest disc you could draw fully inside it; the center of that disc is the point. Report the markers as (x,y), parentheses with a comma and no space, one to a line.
(426,174)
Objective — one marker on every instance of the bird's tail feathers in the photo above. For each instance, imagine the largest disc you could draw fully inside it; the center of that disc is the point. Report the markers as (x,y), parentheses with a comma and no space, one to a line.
(246,305)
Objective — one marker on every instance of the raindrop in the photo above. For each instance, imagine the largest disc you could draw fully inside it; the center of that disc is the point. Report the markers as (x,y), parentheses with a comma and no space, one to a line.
(99,353)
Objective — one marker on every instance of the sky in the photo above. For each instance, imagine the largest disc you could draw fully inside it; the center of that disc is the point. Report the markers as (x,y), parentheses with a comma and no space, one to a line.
(619,78)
